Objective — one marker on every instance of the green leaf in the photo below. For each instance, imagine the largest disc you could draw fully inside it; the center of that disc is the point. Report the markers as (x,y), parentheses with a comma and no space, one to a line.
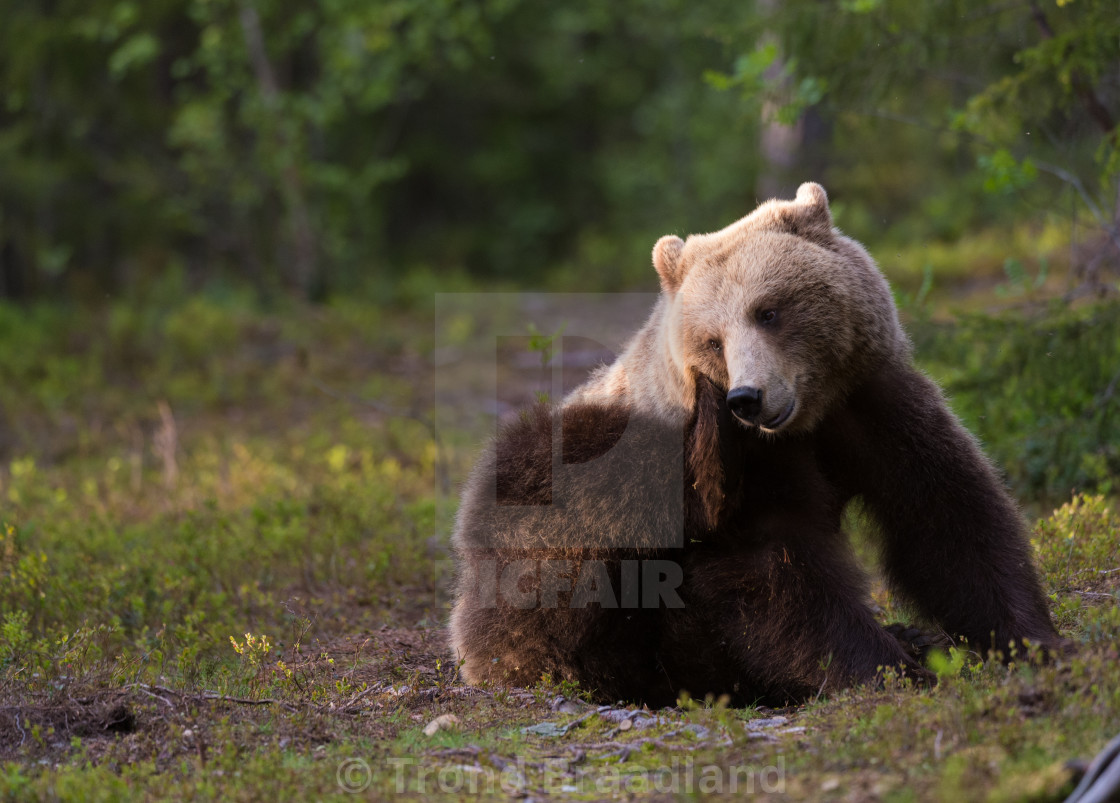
(755,63)
(1003,174)
(137,51)
(718,80)
(860,6)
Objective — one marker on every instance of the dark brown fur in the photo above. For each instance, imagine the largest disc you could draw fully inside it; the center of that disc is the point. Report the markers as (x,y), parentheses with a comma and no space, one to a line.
(645,462)
(952,539)
(774,602)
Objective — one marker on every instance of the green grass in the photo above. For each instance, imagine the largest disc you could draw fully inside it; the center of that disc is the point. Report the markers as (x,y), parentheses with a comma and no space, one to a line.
(979,256)
(219,547)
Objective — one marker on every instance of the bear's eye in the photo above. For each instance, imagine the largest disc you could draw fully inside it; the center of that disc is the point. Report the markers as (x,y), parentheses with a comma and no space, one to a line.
(768,316)
(715,345)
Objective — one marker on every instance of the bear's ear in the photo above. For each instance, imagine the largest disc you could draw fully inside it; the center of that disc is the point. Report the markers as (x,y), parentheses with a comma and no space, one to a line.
(808,216)
(812,194)
(667,260)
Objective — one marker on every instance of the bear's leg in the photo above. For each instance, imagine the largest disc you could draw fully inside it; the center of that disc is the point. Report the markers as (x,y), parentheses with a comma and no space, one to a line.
(515,634)
(506,647)
(778,623)
(953,542)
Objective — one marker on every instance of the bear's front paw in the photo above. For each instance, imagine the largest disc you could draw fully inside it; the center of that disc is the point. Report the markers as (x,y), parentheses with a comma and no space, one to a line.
(917,642)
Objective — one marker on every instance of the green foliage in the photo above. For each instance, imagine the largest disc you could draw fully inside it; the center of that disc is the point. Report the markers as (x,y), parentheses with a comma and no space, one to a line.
(916,303)
(300,512)
(340,146)
(548,689)
(1041,390)
(1002,173)
(765,82)
(1077,44)
(543,344)
(947,666)
(1076,545)
(944,115)
(300,145)
(132,539)
(1019,281)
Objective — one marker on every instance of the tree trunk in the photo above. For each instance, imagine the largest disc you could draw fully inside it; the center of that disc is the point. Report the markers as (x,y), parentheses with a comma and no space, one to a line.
(302,270)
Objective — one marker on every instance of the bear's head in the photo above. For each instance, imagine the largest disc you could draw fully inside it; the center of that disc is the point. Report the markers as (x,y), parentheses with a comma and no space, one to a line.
(779,309)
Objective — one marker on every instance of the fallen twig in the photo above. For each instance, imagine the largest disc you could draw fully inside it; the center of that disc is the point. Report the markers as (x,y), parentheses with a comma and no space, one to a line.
(215,696)
(1095,595)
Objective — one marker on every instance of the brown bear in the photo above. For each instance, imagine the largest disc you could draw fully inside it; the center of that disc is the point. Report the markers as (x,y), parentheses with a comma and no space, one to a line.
(675,524)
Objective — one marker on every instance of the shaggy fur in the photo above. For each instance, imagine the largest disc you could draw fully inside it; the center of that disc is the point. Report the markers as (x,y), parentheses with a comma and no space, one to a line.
(646,466)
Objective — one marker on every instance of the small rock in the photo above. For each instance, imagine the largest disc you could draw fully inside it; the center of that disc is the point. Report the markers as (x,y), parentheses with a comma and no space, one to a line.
(769,722)
(830,784)
(618,715)
(564,705)
(444,722)
(188,734)
(547,729)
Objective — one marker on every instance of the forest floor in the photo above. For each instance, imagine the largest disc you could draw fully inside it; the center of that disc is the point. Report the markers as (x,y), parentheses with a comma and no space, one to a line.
(223,555)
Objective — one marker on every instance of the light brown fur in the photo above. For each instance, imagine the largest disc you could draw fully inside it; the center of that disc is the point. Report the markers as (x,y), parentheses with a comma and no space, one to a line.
(658,461)
(785,255)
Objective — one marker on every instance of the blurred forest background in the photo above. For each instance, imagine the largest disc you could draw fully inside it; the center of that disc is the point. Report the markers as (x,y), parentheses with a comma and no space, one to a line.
(342,146)
(171,168)
(168,166)
(222,225)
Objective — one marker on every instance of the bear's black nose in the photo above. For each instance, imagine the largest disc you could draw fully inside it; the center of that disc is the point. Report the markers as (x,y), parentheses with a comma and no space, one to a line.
(745,402)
